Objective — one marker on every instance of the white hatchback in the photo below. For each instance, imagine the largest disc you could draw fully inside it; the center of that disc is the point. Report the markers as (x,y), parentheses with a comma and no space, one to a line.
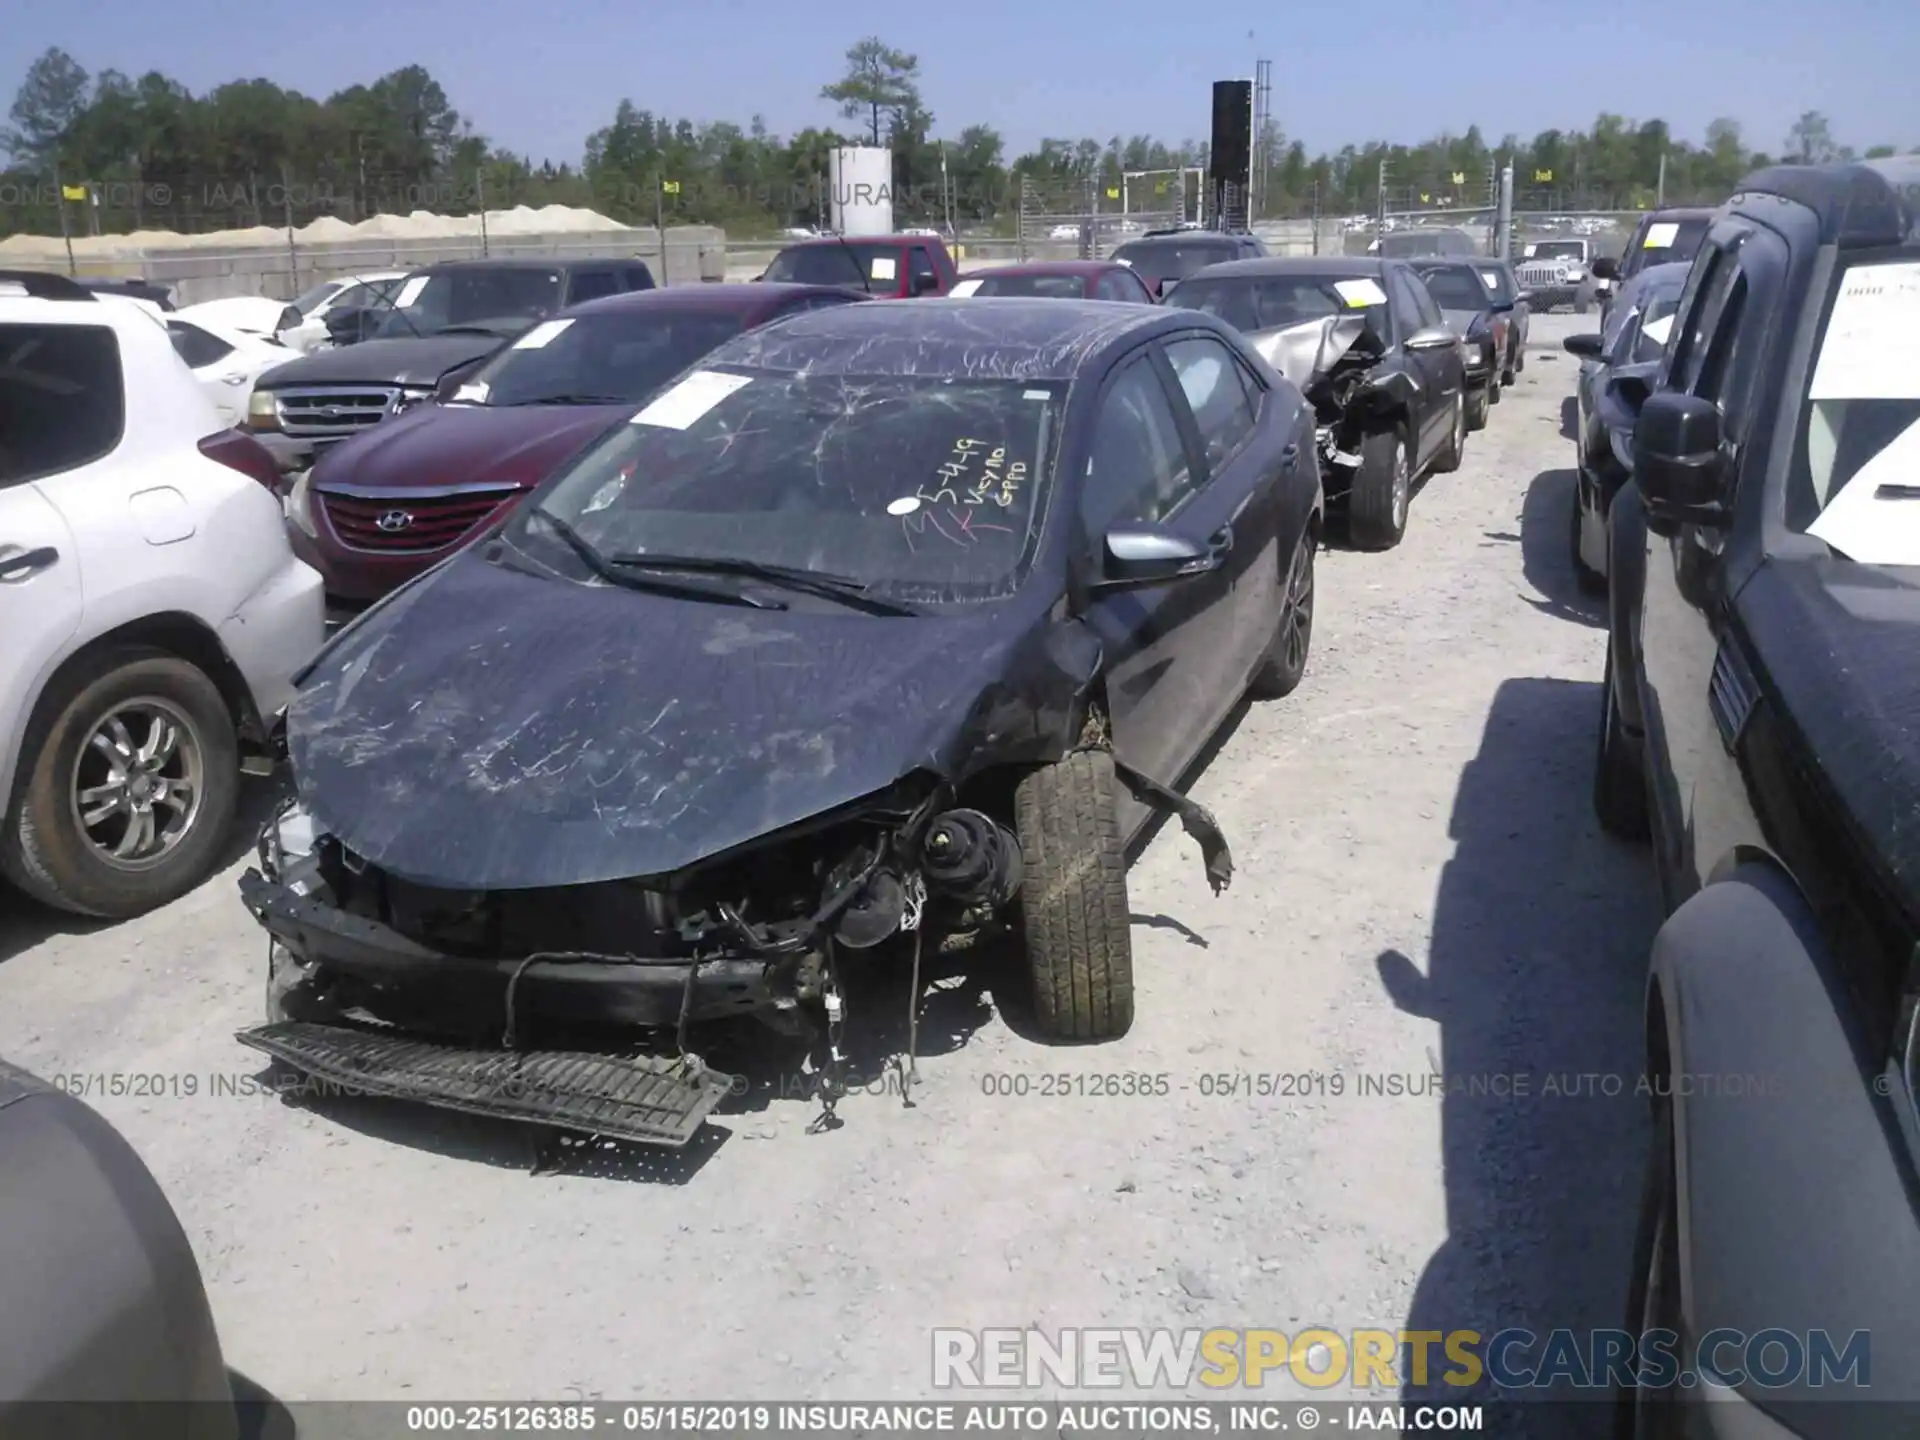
(153,615)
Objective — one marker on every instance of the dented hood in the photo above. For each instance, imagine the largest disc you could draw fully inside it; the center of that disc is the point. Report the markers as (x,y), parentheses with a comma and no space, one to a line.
(488,729)
(1309,350)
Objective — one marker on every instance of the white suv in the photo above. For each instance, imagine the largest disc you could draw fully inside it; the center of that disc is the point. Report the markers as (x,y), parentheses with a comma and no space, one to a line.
(152,617)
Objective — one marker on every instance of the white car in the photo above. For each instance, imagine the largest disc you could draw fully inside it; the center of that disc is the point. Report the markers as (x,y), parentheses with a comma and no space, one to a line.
(153,614)
(348,292)
(225,362)
(249,314)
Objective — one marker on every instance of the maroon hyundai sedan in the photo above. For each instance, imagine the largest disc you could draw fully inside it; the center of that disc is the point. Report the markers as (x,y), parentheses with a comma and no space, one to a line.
(378,509)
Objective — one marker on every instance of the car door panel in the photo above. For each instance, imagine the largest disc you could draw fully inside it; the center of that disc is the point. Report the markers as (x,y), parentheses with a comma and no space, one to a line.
(1685,606)
(41,603)
(1161,644)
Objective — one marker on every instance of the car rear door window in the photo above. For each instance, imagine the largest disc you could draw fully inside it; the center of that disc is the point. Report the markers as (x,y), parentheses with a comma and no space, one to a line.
(196,346)
(1138,470)
(1406,302)
(920,270)
(591,285)
(1210,377)
(62,404)
(637,277)
(1423,301)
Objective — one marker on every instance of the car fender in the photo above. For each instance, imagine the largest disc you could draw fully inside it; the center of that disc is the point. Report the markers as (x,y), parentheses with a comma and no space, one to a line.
(1626,582)
(105,1299)
(1777,1094)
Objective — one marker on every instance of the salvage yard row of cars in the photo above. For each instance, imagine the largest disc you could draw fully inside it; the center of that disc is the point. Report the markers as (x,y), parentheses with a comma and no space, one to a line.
(713,646)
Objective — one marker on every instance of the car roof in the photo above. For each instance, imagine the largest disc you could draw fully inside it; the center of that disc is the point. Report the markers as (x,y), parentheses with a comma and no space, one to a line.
(735,297)
(1661,278)
(1678,212)
(1047,267)
(975,338)
(896,238)
(1860,202)
(556,262)
(1187,237)
(1333,267)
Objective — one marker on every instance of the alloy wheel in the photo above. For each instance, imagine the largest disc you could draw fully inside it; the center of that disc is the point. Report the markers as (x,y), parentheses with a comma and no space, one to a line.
(1402,486)
(137,783)
(1299,615)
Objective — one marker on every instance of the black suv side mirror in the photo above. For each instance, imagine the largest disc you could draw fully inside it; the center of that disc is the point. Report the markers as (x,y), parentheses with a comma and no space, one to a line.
(1138,557)
(1587,347)
(1606,268)
(1677,462)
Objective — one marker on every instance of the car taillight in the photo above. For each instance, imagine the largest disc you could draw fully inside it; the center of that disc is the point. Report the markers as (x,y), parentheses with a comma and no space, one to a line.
(239,451)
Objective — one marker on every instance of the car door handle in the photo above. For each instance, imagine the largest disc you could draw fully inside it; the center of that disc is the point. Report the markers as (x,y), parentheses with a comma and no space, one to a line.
(27,562)
(1222,540)
(233,379)
(1290,457)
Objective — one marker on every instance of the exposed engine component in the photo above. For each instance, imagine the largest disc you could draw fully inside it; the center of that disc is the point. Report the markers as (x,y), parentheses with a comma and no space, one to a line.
(875,912)
(971,858)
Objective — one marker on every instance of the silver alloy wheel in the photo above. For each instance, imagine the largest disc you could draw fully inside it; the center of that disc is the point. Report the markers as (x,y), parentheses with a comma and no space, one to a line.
(1460,423)
(1402,485)
(1300,604)
(137,783)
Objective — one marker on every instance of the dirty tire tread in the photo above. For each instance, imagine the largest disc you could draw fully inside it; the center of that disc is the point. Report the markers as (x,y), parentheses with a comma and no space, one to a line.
(1074,908)
(1619,782)
(1370,501)
(1479,407)
(48,864)
(1590,580)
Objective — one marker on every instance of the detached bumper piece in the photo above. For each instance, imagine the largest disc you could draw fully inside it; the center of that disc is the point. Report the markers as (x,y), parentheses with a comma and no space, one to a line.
(656,1101)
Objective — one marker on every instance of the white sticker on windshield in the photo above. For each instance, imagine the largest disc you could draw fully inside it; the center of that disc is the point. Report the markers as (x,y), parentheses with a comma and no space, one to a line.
(1871,350)
(1033,395)
(690,399)
(1490,280)
(541,334)
(883,268)
(965,288)
(1660,237)
(1360,293)
(1871,528)
(474,394)
(1122,260)
(1658,330)
(905,505)
(410,291)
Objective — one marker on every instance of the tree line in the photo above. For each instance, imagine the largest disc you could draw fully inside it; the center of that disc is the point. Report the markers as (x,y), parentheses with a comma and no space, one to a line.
(106,152)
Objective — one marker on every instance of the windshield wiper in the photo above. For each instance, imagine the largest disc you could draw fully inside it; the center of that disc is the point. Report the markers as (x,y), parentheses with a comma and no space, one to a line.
(469,330)
(607,569)
(813,582)
(575,400)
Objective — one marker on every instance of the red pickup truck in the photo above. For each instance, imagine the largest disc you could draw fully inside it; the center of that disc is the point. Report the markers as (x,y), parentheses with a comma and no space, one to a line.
(887,267)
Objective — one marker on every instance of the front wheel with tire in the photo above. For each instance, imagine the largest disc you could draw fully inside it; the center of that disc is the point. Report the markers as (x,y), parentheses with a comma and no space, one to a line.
(1590,580)
(1479,404)
(1619,774)
(1285,663)
(1382,491)
(128,790)
(1454,453)
(1074,915)
(1645,1412)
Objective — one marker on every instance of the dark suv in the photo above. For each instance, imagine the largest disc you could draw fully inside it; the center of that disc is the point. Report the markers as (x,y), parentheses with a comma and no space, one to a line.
(443,321)
(1759,726)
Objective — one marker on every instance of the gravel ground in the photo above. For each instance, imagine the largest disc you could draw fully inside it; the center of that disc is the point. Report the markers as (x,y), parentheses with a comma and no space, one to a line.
(1420,885)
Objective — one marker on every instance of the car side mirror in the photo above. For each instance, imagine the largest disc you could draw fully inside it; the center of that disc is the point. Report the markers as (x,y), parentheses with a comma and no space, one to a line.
(1138,557)
(1587,347)
(451,382)
(1432,337)
(1632,391)
(1677,461)
(1605,268)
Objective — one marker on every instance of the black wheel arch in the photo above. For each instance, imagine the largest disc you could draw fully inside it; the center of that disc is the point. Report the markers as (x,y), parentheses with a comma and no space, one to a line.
(1626,583)
(1776,1091)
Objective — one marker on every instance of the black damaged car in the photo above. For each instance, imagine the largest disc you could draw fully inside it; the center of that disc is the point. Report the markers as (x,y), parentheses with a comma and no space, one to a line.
(885,625)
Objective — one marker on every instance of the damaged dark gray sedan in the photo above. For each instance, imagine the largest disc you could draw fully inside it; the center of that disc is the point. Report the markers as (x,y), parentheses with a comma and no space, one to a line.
(885,625)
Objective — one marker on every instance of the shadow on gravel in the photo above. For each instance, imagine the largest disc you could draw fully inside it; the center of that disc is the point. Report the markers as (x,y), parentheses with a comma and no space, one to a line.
(1569,419)
(1546,551)
(25,923)
(1535,977)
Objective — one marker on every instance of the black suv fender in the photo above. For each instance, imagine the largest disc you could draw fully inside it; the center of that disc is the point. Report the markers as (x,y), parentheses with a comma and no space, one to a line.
(1795,1190)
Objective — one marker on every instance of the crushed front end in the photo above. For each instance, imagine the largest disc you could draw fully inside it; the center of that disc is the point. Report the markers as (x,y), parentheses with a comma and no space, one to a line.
(579,1007)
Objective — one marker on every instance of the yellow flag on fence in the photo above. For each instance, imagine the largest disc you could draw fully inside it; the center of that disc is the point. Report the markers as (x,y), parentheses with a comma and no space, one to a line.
(74,192)
(669,187)
(1459,177)
(1544,177)
(1113,192)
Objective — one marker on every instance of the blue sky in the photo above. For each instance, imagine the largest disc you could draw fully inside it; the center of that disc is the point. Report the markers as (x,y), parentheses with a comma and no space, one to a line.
(1395,69)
